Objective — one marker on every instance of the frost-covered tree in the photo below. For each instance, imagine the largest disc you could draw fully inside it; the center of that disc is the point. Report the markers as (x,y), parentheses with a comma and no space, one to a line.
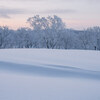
(49,32)
(4,33)
(95,37)
(38,23)
(43,23)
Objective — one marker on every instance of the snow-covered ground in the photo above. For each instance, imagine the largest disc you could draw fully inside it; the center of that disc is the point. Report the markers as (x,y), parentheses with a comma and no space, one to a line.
(44,74)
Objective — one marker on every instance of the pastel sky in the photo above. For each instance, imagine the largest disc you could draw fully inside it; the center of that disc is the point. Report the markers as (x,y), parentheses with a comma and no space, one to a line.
(77,14)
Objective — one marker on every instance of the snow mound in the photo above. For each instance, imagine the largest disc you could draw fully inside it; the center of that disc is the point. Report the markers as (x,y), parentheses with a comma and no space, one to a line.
(42,74)
(88,60)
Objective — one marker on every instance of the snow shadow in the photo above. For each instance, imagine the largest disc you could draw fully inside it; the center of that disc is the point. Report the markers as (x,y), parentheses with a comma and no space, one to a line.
(49,71)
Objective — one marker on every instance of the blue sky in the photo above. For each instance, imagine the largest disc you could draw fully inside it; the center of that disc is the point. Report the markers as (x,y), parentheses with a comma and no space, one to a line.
(77,14)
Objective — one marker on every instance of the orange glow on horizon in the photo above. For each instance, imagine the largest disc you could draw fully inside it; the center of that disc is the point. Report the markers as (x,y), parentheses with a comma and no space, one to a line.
(13,24)
(75,24)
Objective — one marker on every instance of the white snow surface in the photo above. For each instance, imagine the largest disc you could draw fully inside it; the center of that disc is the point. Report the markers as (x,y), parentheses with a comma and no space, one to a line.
(89,60)
(45,74)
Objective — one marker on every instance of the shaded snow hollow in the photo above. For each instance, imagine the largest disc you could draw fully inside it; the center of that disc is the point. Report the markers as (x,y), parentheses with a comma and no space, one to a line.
(45,74)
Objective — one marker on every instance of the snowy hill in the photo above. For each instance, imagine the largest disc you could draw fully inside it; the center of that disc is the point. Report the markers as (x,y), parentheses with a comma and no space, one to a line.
(44,74)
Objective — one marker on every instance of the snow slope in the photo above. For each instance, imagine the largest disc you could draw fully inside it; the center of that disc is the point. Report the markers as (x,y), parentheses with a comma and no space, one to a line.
(42,74)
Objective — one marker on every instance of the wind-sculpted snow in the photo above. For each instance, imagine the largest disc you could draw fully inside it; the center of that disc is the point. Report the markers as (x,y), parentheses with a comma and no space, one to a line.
(49,70)
(41,74)
(84,59)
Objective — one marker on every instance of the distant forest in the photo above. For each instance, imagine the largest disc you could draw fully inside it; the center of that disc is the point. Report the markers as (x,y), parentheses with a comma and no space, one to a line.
(49,32)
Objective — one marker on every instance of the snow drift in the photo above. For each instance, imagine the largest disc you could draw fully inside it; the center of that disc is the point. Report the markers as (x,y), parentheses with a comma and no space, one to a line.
(42,74)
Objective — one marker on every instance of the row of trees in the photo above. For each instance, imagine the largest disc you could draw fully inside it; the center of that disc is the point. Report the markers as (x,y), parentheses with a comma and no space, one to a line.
(49,32)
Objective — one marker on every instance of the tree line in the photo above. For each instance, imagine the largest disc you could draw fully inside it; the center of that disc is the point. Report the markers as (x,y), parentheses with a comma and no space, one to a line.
(49,32)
